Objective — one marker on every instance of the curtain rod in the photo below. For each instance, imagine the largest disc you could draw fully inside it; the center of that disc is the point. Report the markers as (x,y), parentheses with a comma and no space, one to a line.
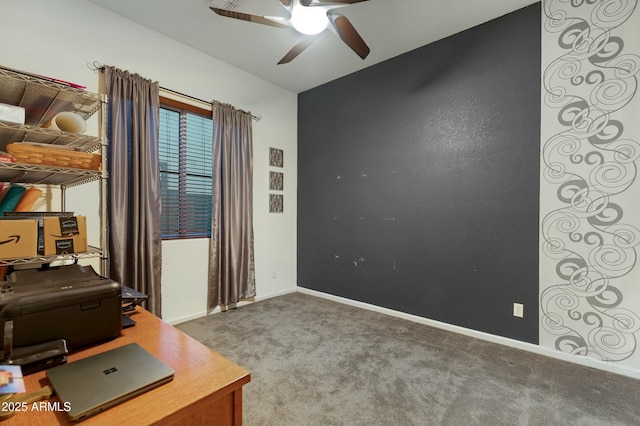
(254,117)
(96,67)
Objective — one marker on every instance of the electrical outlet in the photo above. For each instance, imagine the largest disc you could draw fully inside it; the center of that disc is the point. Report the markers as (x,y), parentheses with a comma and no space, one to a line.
(518,310)
(275,274)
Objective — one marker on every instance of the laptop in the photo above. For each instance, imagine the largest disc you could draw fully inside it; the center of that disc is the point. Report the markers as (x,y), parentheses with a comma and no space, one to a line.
(90,385)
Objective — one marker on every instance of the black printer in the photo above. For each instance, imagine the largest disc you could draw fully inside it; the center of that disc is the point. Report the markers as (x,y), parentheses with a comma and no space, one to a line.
(69,302)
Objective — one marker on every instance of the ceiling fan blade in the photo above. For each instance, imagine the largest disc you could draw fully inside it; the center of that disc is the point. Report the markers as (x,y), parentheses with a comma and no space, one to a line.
(296,50)
(348,34)
(288,5)
(272,21)
(328,2)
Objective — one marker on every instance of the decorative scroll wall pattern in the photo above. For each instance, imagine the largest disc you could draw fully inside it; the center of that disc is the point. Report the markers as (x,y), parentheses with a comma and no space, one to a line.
(590,191)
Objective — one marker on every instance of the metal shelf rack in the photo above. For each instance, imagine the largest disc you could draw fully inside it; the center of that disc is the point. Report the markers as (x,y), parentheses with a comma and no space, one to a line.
(90,253)
(43,98)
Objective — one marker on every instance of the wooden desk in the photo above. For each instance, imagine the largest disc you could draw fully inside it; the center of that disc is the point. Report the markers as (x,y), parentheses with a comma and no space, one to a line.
(206,389)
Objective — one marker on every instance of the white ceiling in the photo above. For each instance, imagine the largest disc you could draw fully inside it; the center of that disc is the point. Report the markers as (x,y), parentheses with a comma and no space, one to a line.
(389,27)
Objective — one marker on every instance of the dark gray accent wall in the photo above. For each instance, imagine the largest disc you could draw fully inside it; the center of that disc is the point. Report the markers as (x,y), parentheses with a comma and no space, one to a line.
(418,180)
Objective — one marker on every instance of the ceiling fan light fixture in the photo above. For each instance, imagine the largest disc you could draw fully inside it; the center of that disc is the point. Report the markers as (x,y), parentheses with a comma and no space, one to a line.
(309,20)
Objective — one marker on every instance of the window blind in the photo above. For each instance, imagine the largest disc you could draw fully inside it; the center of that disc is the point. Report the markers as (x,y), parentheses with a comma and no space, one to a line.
(185,173)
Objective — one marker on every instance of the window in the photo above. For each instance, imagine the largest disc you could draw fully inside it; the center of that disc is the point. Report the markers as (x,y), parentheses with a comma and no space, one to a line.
(185,170)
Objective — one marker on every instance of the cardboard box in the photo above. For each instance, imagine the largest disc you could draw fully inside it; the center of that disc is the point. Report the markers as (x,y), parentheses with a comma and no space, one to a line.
(39,216)
(18,238)
(63,235)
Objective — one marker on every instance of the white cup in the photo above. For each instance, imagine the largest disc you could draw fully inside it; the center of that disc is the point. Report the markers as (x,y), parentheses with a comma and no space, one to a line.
(67,122)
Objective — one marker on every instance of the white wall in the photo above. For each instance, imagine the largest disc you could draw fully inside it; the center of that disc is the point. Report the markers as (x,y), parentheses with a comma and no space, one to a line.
(60,38)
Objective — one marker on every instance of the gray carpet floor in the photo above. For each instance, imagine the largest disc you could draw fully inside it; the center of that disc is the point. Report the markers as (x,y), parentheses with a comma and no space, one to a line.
(319,362)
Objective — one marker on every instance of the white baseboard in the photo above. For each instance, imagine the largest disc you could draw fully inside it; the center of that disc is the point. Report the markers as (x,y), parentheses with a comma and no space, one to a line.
(478,334)
(186,318)
(201,314)
(279,293)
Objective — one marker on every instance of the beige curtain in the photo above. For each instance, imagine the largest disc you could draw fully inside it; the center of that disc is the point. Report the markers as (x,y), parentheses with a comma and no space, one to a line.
(134,183)
(231,264)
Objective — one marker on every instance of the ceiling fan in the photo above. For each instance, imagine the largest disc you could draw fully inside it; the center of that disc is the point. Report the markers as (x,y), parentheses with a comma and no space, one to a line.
(310,18)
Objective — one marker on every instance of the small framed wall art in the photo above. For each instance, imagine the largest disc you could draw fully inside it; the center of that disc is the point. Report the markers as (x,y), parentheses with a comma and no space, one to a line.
(276,181)
(276,157)
(276,202)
